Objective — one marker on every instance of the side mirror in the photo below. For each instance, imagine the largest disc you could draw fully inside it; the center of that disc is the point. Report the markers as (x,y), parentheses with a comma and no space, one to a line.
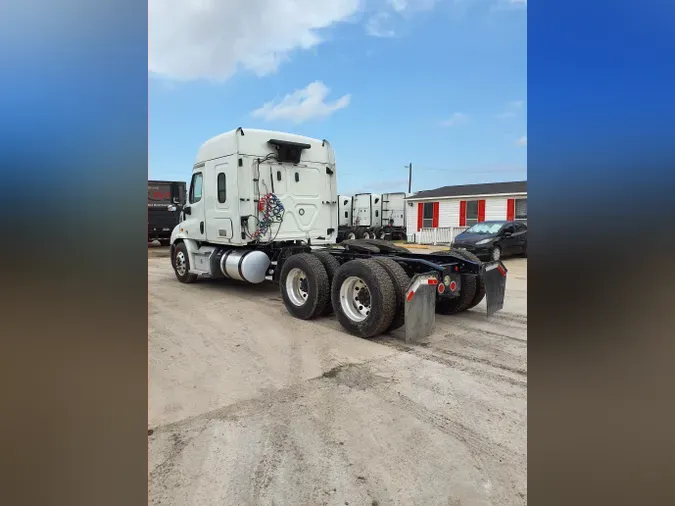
(171,208)
(507,233)
(187,210)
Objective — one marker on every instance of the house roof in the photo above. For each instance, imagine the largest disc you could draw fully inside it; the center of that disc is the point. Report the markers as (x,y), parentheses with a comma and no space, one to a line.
(472,189)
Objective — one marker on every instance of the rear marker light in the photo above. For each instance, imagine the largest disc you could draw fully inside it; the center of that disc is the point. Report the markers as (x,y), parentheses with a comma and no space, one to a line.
(433,281)
(453,286)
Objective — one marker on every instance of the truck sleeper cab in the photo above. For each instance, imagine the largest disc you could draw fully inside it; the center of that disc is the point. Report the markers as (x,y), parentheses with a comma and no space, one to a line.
(259,205)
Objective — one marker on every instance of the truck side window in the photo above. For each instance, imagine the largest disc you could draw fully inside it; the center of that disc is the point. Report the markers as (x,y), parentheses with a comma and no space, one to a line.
(196,187)
(222,194)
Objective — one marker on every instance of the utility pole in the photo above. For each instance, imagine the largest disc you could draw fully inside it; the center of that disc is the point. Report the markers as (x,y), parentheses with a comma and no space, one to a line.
(410,178)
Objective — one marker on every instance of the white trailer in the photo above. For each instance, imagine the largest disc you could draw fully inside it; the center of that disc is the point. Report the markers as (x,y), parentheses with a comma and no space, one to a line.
(260,203)
(371,216)
(344,211)
(393,215)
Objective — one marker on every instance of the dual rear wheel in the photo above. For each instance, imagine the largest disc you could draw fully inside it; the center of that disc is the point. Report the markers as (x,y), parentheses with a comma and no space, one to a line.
(367,296)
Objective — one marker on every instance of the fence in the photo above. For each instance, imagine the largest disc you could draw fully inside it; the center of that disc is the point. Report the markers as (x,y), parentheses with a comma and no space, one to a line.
(435,236)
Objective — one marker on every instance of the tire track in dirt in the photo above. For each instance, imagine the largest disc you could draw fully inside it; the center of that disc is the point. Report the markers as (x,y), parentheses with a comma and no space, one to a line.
(381,387)
(469,365)
(459,324)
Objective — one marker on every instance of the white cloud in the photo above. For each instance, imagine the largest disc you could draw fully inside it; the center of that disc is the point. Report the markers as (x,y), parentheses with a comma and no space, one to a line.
(456,119)
(509,5)
(410,5)
(398,5)
(511,109)
(212,39)
(522,141)
(302,105)
(379,25)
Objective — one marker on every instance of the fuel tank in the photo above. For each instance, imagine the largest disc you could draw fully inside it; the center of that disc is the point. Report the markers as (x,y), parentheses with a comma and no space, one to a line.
(245,265)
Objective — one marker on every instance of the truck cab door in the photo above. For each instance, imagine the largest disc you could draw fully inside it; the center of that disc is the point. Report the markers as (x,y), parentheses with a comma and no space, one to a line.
(223,202)
(193,224)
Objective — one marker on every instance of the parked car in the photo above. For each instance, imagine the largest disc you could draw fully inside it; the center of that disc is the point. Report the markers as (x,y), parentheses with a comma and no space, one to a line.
(494,239)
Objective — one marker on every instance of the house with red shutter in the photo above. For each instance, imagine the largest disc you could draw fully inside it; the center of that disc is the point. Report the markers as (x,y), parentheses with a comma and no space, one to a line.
(437,216)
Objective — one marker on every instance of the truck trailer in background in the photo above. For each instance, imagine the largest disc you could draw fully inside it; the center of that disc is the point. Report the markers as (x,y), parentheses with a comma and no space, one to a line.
(165,200)
(371,216)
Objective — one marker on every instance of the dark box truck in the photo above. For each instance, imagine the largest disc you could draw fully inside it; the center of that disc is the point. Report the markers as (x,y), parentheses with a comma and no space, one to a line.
(165,201)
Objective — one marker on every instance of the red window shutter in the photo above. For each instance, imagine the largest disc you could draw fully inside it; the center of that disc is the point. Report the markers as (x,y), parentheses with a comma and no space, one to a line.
(462,213)
(434,223)
(420,215)
(510,209)
(481,211)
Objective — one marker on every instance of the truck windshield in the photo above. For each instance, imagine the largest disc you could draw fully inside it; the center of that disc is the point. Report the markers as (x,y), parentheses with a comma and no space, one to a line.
(484,228)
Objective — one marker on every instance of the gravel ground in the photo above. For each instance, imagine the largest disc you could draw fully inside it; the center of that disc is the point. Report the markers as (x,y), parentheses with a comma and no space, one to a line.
(249,406)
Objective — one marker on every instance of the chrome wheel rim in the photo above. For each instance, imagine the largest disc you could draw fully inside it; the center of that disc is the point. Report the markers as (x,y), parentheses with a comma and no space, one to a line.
(296,286)
(355,299)
(366,235)
(181,263)
(496,254)
(351,236)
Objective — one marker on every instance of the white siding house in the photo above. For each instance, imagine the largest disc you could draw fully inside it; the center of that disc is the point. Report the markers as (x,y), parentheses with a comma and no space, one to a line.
(437,216)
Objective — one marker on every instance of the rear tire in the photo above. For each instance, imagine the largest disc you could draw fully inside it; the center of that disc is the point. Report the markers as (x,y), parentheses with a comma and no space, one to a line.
(366,315)
(350,235)
(480,282)
(380,233)
(467,292)
(180,261)
(331,265)
(362,233)
(304,286)
(401,281)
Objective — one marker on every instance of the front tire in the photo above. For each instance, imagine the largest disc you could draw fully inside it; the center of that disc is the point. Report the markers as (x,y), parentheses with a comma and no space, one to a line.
(304,286)
(496,254)
(180,261)
(364,298)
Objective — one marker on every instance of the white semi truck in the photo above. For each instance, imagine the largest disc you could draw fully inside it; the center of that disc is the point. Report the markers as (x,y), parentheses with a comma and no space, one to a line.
(263,206)
(371,215)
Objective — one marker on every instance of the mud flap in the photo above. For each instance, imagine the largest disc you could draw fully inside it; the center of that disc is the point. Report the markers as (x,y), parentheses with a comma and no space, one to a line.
(494,275)
(420,307)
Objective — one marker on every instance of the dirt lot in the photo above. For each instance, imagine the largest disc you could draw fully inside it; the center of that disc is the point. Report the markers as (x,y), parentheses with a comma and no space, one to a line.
(249,406)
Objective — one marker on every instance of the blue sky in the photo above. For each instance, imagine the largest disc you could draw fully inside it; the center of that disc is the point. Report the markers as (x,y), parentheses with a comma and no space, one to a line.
(439,83)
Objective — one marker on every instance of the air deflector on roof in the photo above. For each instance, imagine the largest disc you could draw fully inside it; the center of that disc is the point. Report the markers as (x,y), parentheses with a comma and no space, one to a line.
(288,151)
